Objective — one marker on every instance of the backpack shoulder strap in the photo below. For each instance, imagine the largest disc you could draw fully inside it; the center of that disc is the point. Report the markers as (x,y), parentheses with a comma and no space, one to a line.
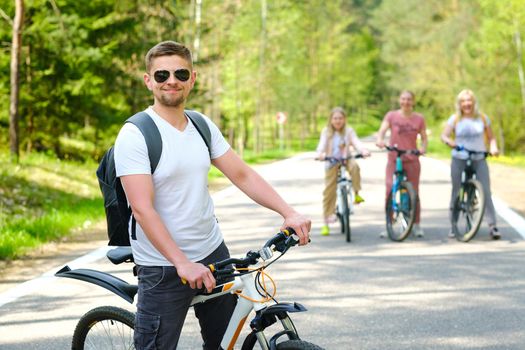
(202,127)
(484,120)
(456,121)
(151,134)
(485,128)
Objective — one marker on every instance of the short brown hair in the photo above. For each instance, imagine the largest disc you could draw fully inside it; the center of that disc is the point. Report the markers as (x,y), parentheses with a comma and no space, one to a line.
(168,48)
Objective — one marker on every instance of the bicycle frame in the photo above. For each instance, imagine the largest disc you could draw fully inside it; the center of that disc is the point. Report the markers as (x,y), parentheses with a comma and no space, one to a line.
(266,312)
(399,175)
(245,283)
(468,173)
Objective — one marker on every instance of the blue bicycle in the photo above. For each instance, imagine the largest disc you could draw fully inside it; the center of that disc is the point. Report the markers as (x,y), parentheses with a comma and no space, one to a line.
(401,202)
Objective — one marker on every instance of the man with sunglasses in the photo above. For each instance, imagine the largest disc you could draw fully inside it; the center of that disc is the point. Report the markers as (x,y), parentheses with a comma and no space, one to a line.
(177,232)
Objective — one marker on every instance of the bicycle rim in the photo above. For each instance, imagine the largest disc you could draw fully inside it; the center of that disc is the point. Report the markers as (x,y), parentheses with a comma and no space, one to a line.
(105,327)
(401,212)
(468,210)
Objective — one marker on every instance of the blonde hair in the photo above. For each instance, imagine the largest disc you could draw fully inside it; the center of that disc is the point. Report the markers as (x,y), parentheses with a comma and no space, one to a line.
(461,95)
(330,127)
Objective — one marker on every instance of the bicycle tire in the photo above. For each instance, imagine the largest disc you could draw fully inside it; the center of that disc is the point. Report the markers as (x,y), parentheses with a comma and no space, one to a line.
(399,223)
(341,224)
(339,214)
(297,345)
(105,327)
(345,215)
(468,210)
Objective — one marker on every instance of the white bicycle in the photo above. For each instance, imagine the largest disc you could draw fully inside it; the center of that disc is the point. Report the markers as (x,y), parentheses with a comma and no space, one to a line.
(345,194)
(110,327)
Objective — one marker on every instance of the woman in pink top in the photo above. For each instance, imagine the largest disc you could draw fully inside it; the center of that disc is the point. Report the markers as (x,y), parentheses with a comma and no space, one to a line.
(335,141)
(405,125)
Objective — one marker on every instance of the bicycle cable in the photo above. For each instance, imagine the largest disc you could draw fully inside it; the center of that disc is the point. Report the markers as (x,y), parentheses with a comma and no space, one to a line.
(267,296)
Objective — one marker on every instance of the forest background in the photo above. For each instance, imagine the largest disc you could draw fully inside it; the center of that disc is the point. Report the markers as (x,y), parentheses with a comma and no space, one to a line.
(80,68)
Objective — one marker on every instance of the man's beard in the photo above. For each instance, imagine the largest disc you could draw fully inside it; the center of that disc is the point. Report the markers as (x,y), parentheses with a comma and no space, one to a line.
(169,101)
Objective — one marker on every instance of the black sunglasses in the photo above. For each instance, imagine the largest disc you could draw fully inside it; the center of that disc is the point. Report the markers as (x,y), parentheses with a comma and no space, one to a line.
(161,76)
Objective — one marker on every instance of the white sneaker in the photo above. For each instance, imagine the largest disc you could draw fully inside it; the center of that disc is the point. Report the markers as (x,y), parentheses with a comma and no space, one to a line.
(418,231)
(382,234)
(451,234)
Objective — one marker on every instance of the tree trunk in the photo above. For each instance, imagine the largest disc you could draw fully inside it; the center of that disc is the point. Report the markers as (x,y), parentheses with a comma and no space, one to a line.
(15,84)
(197,37)
(259,105)
(521,75)
(29,110)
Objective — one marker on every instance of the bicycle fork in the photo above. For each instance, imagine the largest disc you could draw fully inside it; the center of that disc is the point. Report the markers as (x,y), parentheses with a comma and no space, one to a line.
(344,183)
(266,314)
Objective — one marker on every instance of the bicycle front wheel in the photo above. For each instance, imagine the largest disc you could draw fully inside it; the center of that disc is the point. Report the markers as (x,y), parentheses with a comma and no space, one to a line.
(401,211)
(468,210)
(105,327)
(345,215)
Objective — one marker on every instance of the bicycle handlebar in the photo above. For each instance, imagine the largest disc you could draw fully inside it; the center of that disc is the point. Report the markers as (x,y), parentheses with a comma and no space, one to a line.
(334,160)
(471,152)
(281,242)
(403,151)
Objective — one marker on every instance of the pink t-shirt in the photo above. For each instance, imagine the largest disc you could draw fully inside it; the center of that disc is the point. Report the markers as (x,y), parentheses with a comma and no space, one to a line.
(404,131)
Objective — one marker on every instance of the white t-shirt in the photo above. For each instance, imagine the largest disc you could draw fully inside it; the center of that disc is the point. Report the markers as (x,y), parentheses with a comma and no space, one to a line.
(469,133)
(180,181)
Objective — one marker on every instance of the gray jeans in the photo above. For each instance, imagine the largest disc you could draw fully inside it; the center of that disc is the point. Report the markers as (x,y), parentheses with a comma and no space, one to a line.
(163,302)
(482,174)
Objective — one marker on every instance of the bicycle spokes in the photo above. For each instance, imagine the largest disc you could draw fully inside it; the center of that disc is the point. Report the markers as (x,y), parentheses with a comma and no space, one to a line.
(468,211)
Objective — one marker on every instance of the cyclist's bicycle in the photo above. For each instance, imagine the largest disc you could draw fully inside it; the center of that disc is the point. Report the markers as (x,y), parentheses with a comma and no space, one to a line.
(469,205)
(345,194)
(110,327)
(401,201)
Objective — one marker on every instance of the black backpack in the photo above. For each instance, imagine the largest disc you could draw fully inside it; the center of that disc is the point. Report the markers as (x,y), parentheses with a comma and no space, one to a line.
(118,212)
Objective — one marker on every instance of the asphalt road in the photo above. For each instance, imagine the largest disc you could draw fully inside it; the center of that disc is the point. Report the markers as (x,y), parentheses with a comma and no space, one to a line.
(424,293)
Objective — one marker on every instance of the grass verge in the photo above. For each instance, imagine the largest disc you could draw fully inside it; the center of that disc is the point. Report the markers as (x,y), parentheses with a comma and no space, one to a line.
(44,199)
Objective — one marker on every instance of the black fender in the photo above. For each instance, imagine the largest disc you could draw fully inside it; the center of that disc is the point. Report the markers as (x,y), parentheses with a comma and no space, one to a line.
(280,308)
(112,283)
(268,316)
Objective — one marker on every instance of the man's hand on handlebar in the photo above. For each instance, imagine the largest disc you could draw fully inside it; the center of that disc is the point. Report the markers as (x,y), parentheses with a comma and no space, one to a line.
(196,275)
(300,224)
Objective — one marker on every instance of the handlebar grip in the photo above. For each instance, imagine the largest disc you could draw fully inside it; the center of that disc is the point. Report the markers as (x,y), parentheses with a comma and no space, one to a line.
(288,231)
(210,266)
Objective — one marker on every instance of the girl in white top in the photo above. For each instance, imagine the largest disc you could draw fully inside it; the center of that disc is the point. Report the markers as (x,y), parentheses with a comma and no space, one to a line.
(335,141)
